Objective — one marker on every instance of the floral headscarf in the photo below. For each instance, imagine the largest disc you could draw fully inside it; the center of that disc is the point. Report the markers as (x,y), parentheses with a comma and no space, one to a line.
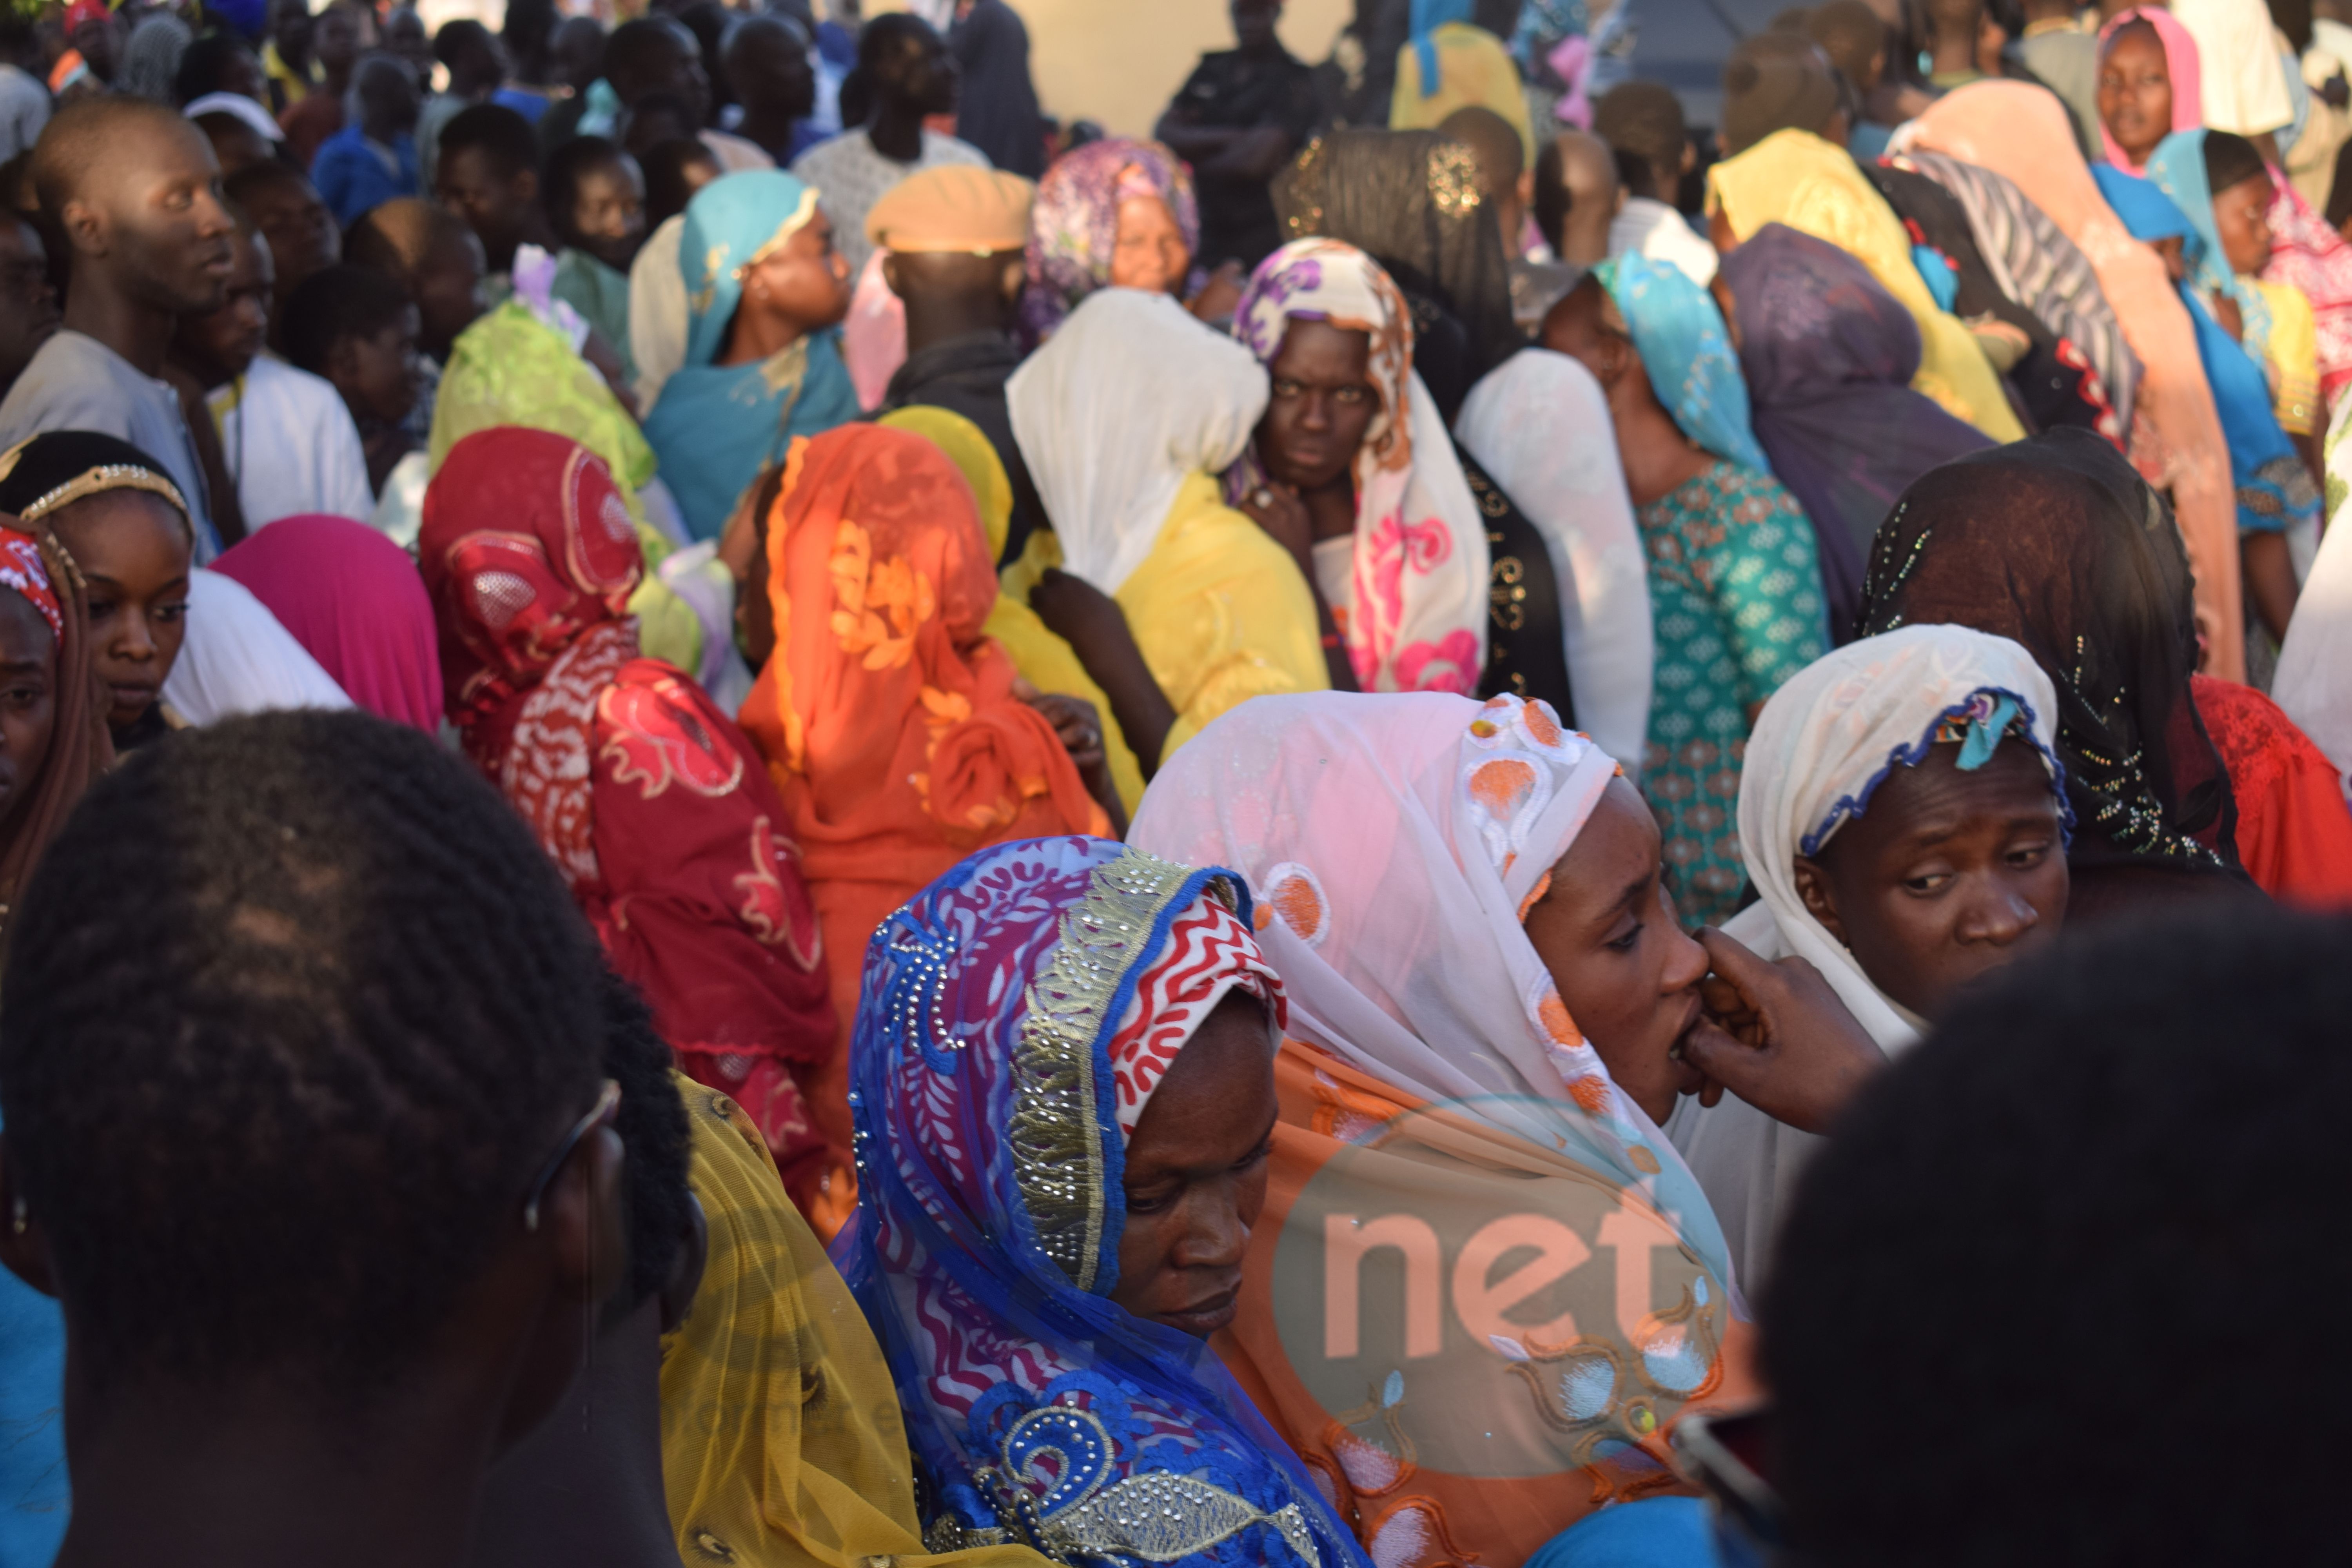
(991,1207)
(1680,336)
(1417,617)
(1074,222)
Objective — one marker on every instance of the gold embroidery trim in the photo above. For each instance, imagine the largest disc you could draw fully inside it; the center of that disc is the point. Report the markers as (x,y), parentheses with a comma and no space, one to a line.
(100,480)
(1055,1135)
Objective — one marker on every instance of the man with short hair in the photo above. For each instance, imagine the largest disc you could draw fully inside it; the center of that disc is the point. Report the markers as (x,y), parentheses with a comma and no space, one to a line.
(136,194)
(343,32)
(768,62)
(1237,120)
(476,65)
(330,1196)
(489,175)
(996,109)
(913,77)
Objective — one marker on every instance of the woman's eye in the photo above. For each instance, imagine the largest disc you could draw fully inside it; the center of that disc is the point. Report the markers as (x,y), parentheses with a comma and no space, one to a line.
(172,612)
(1625,944)
(1931,882)
(1350,395)
(99,608)
(22,696)
(2026,856)
(1257,1156)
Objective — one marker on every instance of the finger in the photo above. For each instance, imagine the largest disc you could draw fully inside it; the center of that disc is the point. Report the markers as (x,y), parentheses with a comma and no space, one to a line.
(1710,1095)
(1732,961)
(1722,1058)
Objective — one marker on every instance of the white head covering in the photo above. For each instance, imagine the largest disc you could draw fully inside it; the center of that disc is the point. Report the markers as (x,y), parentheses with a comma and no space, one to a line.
(1413,602)
(256,118)
(1540,427)
(657,310)
(2314,684)
(1392,842)
(237,658)
(1131,397)
(1823,743)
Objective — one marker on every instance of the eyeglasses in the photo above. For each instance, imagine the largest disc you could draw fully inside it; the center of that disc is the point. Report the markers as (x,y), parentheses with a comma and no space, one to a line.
(608,1101)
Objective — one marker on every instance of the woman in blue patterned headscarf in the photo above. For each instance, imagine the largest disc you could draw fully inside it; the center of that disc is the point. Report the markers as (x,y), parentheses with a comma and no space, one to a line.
(766,294)
(1736,600)
(1018,1017)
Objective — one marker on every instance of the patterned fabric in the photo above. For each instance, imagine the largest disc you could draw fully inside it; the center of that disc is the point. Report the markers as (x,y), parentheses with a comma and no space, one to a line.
(990,1210)
(21,568)
(1434,1073)
(1736,603)
(2309,256)
(2180,64)
(1208,952)
(885,717)
(2295,833)
(1679,332)
(1415,614)
(647,797)
(2033,262)
(1074,222)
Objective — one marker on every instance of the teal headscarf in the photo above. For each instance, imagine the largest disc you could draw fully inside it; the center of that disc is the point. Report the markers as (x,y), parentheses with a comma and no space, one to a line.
(1428,15)
(2177,168)
(1681,338)
(730,222)
(2273,487)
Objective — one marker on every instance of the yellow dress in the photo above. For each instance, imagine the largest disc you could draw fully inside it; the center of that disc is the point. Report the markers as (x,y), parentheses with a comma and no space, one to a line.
(1218,609)
(1044,660)
(1474,69)
(2293,355)
(782,1442)
(1796,178)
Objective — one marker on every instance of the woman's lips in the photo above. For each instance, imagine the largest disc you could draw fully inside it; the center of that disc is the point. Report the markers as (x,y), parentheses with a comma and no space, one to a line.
(128,696)
(1206,1317)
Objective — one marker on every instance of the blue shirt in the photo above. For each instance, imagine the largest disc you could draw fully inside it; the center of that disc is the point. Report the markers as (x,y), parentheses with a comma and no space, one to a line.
(34,1494)
(351,177)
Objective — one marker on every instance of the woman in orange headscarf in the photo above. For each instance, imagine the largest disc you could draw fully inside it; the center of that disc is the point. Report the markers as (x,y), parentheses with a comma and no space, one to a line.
(888,718)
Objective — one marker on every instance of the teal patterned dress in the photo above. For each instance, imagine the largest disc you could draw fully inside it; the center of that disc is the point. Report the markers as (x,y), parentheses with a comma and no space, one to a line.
(1736,604)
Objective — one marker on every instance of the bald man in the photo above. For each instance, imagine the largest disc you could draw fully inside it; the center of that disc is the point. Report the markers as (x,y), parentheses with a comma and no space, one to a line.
(1577,196)
(136,192)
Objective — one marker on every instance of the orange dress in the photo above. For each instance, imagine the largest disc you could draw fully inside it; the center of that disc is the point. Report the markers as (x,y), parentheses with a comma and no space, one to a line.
(886,716)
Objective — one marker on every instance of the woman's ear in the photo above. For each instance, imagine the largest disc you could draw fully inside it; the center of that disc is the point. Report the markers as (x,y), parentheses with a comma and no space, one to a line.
(1813,887)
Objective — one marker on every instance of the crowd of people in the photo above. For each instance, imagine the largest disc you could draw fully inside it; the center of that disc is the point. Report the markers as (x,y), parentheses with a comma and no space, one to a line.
(753,809)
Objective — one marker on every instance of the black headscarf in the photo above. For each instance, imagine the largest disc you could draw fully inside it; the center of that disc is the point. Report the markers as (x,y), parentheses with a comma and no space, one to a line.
(2058,545)
(1410,199)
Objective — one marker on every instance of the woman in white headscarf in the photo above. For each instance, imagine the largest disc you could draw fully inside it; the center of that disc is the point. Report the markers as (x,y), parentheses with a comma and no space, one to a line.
(1178,606)
(1538,423)
(2313,683)
(237,658)
(1492,1009)
(1902,818)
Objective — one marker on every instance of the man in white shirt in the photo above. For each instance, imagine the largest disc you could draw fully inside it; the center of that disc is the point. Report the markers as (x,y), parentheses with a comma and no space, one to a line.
(136,191)
(1643,123)
(914,77)
(2241,76)
(23,96)
(287,440)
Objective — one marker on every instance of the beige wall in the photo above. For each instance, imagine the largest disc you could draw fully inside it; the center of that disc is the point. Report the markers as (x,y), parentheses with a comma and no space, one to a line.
(1119,62)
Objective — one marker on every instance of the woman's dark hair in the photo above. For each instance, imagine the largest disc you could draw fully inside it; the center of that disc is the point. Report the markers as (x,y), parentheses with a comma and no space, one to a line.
(295,1007)
(2230,160)
(2044,1260)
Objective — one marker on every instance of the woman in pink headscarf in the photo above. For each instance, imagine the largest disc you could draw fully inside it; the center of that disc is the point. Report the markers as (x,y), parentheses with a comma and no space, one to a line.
(2147,84)
(353,600)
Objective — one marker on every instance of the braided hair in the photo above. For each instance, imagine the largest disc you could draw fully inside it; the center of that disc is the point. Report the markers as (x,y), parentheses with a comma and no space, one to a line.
(294,1010)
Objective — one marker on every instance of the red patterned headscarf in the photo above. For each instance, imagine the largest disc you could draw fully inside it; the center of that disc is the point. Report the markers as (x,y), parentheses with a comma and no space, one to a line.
(21,568)
(1210,952)
(529,553)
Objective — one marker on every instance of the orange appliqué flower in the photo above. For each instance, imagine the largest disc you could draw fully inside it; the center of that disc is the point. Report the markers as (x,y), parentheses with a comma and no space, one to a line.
(877,606)
(1554,1015)
(1501,785)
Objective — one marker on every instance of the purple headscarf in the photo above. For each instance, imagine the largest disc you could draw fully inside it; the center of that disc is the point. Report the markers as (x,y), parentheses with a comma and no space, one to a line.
(1073,223)
(1829,356)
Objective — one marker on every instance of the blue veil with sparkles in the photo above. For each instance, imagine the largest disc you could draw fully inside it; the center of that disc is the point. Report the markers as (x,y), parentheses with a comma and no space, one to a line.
(989,1212)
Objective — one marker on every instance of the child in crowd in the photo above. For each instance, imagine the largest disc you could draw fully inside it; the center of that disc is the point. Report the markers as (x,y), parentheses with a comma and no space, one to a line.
(287,445)
(374,159)
(486,172)
(596,206)
(440,262)
(301,233)
(356,327)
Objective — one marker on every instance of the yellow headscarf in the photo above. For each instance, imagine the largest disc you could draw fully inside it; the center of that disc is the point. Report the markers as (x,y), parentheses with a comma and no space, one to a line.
(1796,178)
(1044,660)
(782,1441)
